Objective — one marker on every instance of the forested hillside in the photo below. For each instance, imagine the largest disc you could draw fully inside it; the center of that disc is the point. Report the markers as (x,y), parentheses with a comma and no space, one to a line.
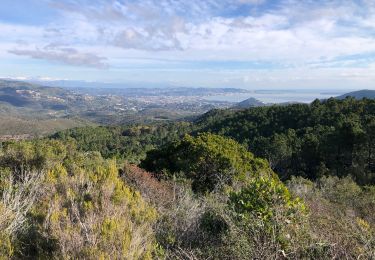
(365,93)
(196,190)
(187,130)
(333,137)
(128,143)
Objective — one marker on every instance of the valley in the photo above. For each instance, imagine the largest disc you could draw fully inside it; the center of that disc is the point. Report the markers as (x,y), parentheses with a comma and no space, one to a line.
(36,110)
(27,108)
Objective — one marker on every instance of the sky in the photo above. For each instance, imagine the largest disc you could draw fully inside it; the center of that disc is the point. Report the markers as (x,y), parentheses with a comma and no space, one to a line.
(270,44)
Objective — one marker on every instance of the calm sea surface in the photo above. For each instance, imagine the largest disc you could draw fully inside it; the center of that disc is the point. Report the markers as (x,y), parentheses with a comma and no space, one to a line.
(279,96)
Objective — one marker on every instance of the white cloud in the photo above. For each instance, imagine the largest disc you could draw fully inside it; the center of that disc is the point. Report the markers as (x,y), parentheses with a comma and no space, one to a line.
(68,56)
(295,34)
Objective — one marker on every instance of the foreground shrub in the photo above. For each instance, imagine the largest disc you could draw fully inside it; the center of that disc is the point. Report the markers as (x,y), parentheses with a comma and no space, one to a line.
(91,213)
(341,216)
(59,203)
(254,216)
(265,207)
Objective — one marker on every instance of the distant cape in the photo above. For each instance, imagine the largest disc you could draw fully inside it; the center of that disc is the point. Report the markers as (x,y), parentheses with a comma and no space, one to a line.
(250,102)
(366,93)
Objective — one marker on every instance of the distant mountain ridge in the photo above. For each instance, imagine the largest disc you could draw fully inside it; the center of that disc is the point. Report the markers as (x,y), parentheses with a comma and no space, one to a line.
(28,109)
(365,93)
(253,102)
(27,95)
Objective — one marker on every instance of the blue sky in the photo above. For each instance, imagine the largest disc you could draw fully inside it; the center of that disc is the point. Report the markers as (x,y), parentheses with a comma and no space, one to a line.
(234,43)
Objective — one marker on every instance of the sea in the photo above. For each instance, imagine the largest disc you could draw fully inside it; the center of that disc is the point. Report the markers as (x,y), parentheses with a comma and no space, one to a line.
(278,96)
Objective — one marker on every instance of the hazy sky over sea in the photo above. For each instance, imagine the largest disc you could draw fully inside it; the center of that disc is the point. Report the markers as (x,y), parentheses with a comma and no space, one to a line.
(238,43)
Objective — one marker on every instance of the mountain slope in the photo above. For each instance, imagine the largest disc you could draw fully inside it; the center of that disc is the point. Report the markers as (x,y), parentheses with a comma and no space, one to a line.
(11,127)
(250,102)
(310,140)
(35,110)
(26,95)
(366,93)
(332,137)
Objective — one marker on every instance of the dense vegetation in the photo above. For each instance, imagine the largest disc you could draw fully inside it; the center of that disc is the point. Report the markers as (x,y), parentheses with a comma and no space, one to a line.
(201,192)
(333,137)
(124,142)
(208,160)
(215,200)
(58,203)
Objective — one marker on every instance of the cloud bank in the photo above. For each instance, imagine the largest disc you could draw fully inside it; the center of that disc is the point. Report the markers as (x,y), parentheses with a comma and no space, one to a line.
(227,35)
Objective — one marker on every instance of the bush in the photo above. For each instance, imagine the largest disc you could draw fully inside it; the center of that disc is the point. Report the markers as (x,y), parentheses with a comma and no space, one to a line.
(210,161)
(339,218)
(72,205)
(263,196)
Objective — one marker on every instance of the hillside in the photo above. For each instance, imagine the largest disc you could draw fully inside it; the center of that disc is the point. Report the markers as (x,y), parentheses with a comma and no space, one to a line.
(250,102)
(200,194)
(331,137)
(14,126)
(205,186)
(26,95)
(366,93)
(36,108)
(204,194)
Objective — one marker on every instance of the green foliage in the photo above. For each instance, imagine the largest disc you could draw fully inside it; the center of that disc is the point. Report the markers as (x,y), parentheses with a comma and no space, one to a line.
(32,155)
(262,197)
(208,160)
(265,205)
(6,246)
(213,223)
(65,197)
(217,223)
(125,142)
(334,137)
(340,216)
(81,209)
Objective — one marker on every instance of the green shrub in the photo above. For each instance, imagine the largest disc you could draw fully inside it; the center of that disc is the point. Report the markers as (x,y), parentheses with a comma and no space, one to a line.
(263,196)
(61,203)
(210,161)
